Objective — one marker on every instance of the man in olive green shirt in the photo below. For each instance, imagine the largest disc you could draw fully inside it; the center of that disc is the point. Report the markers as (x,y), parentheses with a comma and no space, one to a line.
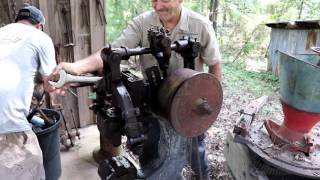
(180,21)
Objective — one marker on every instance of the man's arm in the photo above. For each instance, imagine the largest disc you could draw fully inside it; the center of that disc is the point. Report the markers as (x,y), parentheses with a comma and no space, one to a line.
(130,37)
(216,70)
(86,65)
(210,53)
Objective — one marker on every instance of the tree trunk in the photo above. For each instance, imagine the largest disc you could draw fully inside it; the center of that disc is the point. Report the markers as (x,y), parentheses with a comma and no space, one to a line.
(224,18)
(301,9)
(214,13)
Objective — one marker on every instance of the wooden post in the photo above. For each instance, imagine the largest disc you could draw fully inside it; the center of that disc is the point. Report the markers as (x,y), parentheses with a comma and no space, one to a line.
(5,14)
(97,29)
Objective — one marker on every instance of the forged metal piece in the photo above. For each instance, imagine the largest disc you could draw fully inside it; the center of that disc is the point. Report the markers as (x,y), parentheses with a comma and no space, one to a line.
(132,127)
(189,50)
(160,43)
(65,78)
(117,168)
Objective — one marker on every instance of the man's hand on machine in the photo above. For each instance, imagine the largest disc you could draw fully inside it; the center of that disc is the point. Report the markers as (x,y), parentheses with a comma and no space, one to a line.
(66,75)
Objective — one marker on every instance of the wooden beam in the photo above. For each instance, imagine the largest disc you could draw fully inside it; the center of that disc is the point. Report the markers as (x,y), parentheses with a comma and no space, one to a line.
(82,49)
(5,14)
(97,26)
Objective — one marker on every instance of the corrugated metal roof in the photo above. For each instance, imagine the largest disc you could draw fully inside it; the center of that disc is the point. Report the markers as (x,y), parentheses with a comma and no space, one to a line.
(310,24)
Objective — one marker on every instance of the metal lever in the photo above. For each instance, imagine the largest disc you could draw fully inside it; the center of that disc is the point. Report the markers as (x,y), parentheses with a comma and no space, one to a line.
(68,78)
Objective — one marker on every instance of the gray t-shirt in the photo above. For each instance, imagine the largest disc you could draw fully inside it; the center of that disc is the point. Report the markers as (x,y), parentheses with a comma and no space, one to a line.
(24,51)
(136,34)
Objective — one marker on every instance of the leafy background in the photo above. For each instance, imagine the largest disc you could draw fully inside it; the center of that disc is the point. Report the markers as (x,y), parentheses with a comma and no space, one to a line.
(241,29)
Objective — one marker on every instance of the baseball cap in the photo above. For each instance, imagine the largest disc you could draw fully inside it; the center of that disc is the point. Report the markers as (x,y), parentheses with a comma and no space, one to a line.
(30,13)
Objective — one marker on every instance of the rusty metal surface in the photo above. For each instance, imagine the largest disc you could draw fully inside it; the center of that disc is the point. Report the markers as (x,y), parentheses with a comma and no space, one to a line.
(191,101)
(294,130)
(282,135)
(279,156)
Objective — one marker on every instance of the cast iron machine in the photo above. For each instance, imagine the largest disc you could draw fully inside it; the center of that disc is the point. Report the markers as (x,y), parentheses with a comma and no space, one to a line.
(157,113)
(290,150)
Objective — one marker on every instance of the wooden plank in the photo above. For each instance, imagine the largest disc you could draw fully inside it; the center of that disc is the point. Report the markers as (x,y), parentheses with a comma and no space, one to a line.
(270,51)
(43,5)
(97,26)
(81,50)
(311,39)
(15,5)
(318,38)
(55,29)
(5,13)
(12,8)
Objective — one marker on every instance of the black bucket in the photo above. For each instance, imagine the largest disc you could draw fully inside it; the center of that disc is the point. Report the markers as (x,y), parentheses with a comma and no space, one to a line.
(49,141)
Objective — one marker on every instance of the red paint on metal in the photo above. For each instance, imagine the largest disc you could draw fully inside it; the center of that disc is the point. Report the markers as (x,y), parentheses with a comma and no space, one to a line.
(295,129)
(299,121)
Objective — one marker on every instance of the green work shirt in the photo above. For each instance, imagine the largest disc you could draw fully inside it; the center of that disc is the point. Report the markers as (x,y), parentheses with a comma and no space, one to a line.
(136,34)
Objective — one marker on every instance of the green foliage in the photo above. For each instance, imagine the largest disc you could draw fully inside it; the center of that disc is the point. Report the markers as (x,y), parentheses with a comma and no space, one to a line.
(237,19)
(258,83)
(290,9)
(241,31)
(120,12)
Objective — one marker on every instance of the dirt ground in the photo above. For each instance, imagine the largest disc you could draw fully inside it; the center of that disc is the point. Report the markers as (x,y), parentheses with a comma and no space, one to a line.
(235,98)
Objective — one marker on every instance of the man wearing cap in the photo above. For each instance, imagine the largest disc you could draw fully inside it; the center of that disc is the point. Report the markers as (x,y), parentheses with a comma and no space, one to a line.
(25,51)
(180,21)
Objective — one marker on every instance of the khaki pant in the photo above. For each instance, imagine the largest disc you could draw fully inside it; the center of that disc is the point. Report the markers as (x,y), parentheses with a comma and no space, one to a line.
(20,157)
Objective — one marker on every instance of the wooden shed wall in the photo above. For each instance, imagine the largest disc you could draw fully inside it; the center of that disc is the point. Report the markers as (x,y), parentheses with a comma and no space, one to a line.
(72,28)
(295,41)
(9,8)
(68,27)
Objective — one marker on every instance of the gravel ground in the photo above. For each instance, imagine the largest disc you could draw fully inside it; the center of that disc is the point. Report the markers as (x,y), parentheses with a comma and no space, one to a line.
(235,98)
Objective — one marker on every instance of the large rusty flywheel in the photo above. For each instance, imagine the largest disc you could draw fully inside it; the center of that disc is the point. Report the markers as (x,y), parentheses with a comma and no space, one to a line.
(191,101)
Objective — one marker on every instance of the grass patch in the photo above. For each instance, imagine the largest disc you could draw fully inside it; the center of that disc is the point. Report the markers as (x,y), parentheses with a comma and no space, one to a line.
(238,79)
